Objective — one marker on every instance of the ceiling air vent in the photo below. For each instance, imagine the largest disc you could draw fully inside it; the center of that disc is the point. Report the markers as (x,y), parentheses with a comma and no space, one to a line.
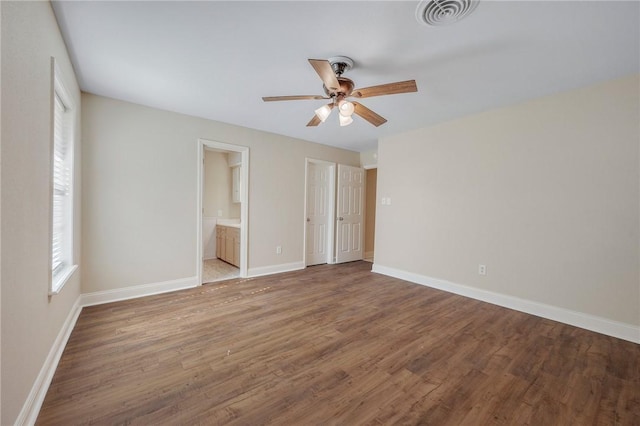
(444,12)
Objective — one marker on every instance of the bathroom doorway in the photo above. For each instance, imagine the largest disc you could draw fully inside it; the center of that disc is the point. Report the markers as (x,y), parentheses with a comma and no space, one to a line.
(222,211)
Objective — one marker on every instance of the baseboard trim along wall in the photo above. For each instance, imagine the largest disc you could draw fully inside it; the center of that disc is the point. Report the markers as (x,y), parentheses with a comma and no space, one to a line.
(275,269)
(32,405)
(100,297)
(578,319)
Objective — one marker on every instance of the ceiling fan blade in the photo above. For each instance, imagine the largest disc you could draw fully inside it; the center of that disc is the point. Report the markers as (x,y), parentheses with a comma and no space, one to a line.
(367,114)
(324,70)
(386,89)
(292,98)
(314,121)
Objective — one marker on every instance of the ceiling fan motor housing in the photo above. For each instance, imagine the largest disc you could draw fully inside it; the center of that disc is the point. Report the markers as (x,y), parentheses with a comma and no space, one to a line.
(345,89)
(340,65)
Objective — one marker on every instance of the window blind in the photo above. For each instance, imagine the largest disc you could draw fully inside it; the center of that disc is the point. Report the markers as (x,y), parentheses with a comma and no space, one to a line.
(61,192)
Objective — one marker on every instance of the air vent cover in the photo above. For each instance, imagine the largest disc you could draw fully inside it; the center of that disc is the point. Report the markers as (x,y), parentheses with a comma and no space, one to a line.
(444,12)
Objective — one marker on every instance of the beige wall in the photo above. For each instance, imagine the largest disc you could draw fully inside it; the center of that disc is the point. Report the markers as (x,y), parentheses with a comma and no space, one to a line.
(216,192)
(139,199)
(369,159)
(370,211)
(545,193)
(30,319)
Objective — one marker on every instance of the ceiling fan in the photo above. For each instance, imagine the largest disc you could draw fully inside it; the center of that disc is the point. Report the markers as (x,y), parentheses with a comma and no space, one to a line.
(338,88)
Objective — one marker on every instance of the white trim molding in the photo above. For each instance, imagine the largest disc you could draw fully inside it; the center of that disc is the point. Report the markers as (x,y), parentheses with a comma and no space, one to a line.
(601,325)
(33,403)
(276,269)
(126,293)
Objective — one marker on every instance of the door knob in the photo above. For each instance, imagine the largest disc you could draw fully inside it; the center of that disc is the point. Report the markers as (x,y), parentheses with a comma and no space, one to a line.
(308,220)
(341,218)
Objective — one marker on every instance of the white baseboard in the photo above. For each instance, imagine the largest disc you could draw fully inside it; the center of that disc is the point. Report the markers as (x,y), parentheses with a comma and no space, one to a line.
(32,405)
(275,269)
(107,296)
(578,319)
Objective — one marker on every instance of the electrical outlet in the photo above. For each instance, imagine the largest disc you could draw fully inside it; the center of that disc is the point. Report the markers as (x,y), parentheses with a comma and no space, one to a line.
(278,249)
(384,201)
(482,269)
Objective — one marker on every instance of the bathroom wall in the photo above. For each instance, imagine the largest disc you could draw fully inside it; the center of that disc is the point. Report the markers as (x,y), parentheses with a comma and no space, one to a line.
(216,195)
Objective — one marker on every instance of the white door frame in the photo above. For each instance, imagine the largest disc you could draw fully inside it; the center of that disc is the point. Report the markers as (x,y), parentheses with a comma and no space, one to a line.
(244,200)
(331,199)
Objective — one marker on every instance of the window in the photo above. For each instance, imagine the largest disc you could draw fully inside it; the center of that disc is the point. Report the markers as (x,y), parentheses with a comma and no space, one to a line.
(62,265)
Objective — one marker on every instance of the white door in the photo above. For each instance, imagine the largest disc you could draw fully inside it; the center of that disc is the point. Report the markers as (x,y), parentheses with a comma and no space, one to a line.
(317,208)
(349,215)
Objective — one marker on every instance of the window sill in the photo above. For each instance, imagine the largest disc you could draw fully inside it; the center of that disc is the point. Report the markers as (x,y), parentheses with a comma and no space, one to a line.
(56,287)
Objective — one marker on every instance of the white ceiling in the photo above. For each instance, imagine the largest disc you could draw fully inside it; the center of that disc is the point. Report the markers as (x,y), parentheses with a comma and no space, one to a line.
(217,59)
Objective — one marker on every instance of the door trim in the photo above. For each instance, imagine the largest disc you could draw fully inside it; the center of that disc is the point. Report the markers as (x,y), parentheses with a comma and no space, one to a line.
(331,198)
(244,199)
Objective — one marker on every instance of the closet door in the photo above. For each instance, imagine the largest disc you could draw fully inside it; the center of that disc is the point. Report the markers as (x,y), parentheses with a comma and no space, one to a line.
(350,217)
(317,209)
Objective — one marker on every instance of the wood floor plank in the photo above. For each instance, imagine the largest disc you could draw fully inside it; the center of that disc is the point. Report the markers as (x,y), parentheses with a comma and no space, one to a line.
(335,344)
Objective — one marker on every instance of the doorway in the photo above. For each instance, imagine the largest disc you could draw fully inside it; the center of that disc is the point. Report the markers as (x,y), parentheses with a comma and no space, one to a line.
(226,213)
(371,180)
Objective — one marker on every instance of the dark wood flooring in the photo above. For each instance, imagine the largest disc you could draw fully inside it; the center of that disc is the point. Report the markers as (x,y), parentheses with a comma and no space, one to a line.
(337,345)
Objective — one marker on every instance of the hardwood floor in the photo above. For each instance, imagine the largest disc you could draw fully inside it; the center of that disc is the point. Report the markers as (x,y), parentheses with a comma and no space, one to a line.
(336,344)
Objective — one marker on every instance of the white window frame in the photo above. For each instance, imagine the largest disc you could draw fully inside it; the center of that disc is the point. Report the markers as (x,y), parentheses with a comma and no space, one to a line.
(62,131)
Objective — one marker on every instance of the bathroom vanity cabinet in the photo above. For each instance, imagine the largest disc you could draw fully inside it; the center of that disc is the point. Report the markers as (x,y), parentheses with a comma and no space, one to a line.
(228,244)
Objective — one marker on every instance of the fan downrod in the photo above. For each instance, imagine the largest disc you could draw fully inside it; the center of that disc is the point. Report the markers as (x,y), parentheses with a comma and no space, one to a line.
(341,64)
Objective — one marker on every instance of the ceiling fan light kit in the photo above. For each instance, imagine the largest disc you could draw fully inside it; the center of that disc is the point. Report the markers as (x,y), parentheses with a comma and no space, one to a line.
(338,88)
(345,120)
(346,108)
(323,112)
